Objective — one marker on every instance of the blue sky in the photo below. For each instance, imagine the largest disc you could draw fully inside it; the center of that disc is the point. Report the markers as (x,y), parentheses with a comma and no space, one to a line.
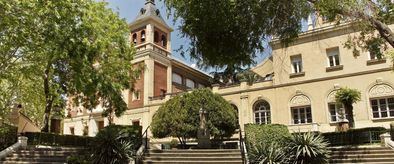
(128,9)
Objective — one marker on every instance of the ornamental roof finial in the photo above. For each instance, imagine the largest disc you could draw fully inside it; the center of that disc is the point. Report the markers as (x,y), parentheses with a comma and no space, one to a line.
(150,1)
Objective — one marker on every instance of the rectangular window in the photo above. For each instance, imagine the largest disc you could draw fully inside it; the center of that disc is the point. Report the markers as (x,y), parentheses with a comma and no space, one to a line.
(163,92)
(382,107)
(72,130)
(100,125)
(136,95)
(335,112)
(333,57)
(136,122)
(201,85)
(296,64)
(176,78)
(301,115)
(190,83)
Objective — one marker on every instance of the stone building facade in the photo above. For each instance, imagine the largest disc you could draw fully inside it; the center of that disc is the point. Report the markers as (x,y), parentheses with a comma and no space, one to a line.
(298,91)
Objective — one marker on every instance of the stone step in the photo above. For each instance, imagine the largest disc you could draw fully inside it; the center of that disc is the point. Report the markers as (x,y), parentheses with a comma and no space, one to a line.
(55,148)
(182,154)
(357,156)
(370,163)
(24,162)
(31,155)
(193,158)
(192,162)
(357,148)
(40,159)
(45,151)
(385,151)
(353,160)
(195,151)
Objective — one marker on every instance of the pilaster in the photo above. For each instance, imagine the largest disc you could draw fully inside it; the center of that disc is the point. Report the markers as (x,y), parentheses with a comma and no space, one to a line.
(148,79)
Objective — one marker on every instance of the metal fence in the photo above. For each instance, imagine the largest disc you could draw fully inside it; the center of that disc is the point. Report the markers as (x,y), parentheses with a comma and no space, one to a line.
(392,131)
(353,138)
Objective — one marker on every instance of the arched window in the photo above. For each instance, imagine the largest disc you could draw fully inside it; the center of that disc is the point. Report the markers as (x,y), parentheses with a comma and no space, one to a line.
(163,41)
(262,113)
(156,37)
(143,36)
(134,38)
(381,97)
(301,111)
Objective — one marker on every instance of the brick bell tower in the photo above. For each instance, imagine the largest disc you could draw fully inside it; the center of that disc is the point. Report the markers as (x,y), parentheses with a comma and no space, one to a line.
(151,37)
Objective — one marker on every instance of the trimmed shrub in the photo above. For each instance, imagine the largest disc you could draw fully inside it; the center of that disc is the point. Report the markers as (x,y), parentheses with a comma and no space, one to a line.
(259,137)
(266,133)
(355,136)
(51,139)
(8,136)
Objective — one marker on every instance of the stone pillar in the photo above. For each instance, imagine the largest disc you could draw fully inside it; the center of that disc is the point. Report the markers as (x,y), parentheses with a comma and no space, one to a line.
(148,79)
(244,111)
(215,88)
(169,80)
(23,141)
(385,139)
(149,33)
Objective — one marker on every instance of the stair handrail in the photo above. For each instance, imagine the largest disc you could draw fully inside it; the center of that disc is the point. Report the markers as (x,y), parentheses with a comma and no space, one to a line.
(144,145)
(242,146)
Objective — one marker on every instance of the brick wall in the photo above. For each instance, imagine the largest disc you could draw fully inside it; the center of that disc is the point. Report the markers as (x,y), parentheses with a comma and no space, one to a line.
(138,86)
(160,79)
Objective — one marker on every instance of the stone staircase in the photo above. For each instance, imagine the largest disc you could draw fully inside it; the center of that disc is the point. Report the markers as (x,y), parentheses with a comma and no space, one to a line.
(366,155)
(193,156)
(33,155)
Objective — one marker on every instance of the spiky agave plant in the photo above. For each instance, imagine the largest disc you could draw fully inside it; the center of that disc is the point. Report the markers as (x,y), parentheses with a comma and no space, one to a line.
(268,154)
(307,148)
(112,146)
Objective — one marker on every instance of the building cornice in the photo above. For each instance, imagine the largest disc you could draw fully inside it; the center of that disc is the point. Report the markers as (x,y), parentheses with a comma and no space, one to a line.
(308,81)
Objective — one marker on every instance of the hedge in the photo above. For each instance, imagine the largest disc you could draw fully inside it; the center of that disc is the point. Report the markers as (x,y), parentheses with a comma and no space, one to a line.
(8,135)
(265,134)
(51,139)
(355,136)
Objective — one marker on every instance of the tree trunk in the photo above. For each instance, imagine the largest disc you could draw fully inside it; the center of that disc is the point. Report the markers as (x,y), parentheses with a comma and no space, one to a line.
(48,100)
(384,30)
(349,112)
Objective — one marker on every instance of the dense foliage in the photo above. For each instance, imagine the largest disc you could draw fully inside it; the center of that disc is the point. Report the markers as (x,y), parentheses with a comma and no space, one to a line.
(273,144)
(8,135)
(307,148)
(116,144)
(232,32)
(348,97)
(179,116)
(51,139)
(260,140)
(75,49)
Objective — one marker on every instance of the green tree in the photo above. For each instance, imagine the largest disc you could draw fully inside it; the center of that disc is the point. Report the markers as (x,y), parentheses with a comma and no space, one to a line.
(179,117)
(78,49)
(347,97)
(231,32)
